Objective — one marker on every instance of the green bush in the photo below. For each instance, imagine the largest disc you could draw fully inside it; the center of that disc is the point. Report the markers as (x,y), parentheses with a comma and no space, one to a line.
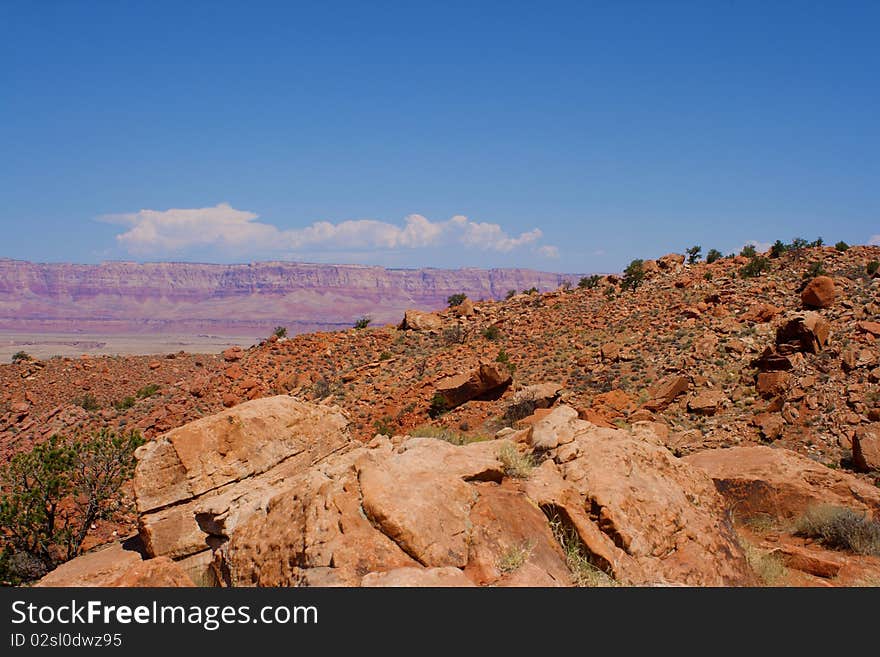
(438,406)
(280,332)
(456,300)
(693,254)
(124,404)
(713,256)
(755,267)
(778,248)
(510,294)
(53,494)
(589,282)
(504,359)
(88,402)
(841,246)
(633,275)
(749,251)
(530,291)
(147,391)
(872,267)
(362,323)
(492,332)
(20,357)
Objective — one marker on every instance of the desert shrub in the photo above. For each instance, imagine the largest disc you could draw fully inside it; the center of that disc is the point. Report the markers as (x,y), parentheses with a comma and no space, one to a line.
(321,389)
(438,406)
(817,242)
(147,391)
(446,434)
(513,558)
(53,494)
(518,410)
(516,464)
(456,299)
(88,402)
(768,567)
(693,254)
(755,267)
(530,291)
(455,334)
(841,528)
(749,251)
(841,246)
(385,355)
(713,255)
(872,267)
(362,323)
(633,275)
(280,332)
(799,243)
(510,294)
(124,404)
(815,269)
(384,426)
(492,333)
(504,358)
(589,282)
(577,557)
(20,357)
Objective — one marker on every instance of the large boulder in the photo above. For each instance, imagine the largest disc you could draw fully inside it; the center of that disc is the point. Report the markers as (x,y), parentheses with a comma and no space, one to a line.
(416,320)
(195,483)
(819,293)
(101,567)
(866,448)
(640,513)
(781,483)
(664,392)
(484,379)
(807,332)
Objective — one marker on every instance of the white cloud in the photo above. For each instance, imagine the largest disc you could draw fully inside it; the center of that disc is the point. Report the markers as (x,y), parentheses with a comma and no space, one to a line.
(549,251)
(760,247)
(874,240)
(154,232)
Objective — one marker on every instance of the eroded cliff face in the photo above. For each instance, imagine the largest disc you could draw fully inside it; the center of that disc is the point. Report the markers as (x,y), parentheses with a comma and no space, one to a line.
(183,297)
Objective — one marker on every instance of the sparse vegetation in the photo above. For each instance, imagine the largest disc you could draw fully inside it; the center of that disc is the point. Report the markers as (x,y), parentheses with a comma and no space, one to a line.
(841,246)
(455,334)
(438,406)
(504,358)
(53,494)
(21,356)
(713,256)
(147,391)
(872,267)
(815,269)
(280,332)
(362,323)
(446,434)
(583,572)
(841,528)
(321,388)
(385,356)
(456,300)
(530,291)
(516,464)
(88,402)
(767,566)
(510,294)
(749,251)
(124,404)
(693,254)
(384,426)
(492,333)
(513,558)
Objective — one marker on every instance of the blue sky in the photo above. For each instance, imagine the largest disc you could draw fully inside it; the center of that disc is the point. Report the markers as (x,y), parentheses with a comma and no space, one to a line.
(562,136)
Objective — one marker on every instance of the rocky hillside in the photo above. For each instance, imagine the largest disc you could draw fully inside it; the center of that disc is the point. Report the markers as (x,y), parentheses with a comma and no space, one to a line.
(123,297)
(709,424)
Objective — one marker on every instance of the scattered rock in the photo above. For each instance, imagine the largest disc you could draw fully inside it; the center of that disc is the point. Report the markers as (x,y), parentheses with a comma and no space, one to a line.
(486,378)
(416,320)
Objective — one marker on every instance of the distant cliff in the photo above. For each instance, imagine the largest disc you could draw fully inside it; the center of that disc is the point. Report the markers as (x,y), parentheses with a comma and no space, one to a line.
(127,297)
